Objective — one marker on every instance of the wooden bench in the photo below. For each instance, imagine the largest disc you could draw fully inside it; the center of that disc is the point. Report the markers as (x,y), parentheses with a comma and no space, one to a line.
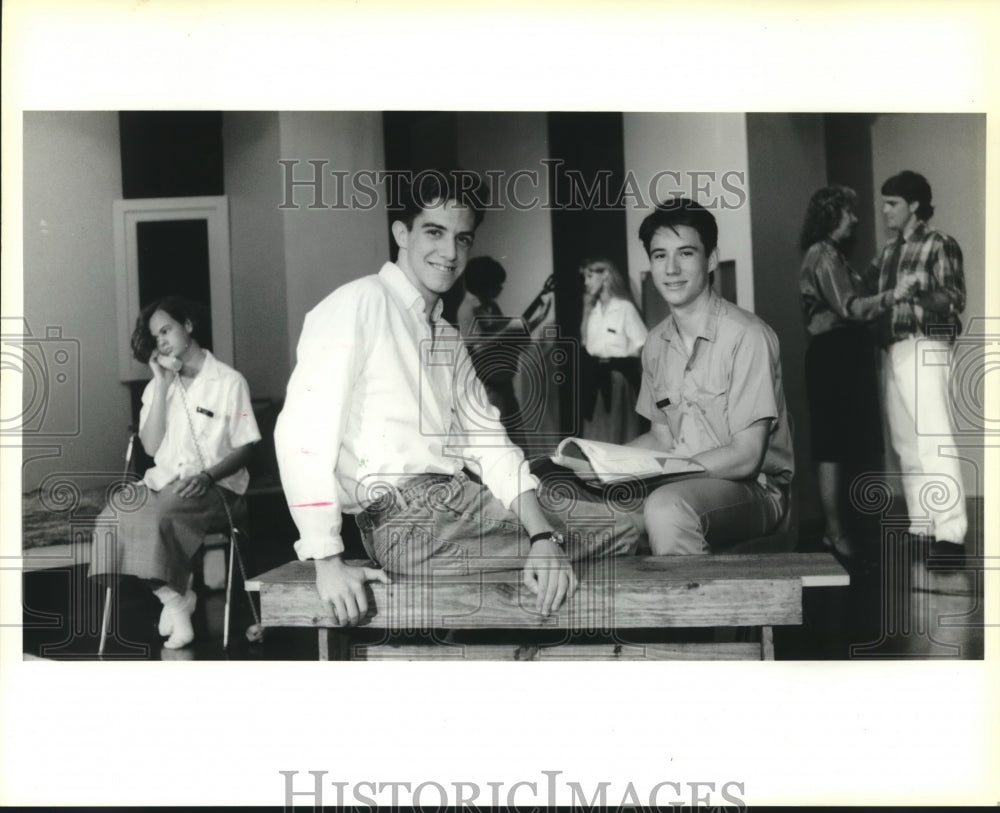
(615,595)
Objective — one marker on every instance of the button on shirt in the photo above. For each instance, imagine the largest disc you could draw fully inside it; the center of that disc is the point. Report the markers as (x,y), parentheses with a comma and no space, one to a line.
(377,396)
(731,380)
(204,424)
(614,330)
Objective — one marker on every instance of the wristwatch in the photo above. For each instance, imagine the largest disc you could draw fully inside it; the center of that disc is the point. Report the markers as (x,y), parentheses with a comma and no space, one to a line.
(555,536)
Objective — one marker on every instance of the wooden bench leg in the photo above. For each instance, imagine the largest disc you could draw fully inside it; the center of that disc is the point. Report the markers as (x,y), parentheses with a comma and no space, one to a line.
(324,644)
(767,643)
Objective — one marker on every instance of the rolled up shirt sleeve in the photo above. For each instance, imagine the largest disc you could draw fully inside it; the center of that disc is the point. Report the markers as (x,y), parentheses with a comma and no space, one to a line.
(242,427)
(646,402)
(751,394)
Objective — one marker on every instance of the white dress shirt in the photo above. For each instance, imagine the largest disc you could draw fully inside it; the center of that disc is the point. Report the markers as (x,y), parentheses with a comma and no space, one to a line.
(377,397)
(204,423)
(614,330)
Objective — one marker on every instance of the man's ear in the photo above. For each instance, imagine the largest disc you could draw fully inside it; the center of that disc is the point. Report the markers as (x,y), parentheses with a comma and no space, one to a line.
(189,327)
(400,233)
(913,205)
(713,260)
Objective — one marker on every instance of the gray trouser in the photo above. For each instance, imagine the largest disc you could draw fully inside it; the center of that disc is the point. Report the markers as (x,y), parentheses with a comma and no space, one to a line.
(450,524)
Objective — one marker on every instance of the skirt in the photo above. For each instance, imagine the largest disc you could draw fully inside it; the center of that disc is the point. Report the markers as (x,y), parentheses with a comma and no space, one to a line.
(155,534)
(842,391)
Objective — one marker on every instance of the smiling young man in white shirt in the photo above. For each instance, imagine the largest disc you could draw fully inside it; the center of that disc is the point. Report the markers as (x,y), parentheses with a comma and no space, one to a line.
(381,419)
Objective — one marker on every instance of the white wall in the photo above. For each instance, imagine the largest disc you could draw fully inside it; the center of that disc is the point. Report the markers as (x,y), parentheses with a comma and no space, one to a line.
(324,248)
(253,184)
(72,173)
(950,151)
(685,143)
(520,240)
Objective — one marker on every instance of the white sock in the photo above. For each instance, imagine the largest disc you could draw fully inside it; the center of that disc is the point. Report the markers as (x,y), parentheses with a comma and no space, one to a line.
(175,620)
(167,594)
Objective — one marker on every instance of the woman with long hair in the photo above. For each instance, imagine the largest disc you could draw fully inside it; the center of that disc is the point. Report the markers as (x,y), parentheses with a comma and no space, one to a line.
(841,380)
(613,334)
(197,422)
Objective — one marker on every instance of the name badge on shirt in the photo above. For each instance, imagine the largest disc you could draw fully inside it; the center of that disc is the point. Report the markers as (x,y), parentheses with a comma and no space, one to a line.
(204,411)
(663,402)
(612,330)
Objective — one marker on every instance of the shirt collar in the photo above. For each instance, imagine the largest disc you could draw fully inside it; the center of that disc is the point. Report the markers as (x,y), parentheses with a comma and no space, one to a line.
(917,233)
(711,328)
(404,290)
(209,367)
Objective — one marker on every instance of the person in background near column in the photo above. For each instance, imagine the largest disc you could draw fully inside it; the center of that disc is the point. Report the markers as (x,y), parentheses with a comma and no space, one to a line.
(916,335)
(613,334)
(487,333)
(841,377)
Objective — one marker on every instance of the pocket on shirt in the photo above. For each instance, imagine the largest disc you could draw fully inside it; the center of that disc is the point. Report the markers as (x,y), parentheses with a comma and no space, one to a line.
(668,403)
(712,402)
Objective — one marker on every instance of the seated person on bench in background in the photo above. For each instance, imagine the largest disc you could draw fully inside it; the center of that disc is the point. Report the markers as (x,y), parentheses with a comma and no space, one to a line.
(711,388)
(377,420)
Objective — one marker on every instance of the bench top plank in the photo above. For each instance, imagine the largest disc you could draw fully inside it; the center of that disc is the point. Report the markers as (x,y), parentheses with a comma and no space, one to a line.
(599,605)
(812,569)
(621,592)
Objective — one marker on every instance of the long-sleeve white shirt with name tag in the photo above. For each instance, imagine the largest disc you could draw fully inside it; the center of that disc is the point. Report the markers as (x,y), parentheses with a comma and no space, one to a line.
(614,330)
(379,395)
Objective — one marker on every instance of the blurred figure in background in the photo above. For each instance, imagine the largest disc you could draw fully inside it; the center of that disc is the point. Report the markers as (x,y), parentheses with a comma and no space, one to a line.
(841,378)
(613,334)
(916,335)
(496,342)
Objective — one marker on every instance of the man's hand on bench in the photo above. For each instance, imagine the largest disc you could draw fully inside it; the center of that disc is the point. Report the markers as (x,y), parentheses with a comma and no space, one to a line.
(548,574)
(343,587)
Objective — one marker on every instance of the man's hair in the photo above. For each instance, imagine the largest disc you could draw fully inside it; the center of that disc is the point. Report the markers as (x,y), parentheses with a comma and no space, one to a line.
(177,307)
(681,212)
(618,283)
(823,214)
(430,188)
(911,186)
(483,275)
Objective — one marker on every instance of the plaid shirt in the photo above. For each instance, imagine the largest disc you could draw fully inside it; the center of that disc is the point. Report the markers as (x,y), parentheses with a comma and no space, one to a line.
(935,307)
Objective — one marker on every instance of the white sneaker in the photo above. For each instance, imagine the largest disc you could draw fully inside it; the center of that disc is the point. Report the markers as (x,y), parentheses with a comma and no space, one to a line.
(179,612)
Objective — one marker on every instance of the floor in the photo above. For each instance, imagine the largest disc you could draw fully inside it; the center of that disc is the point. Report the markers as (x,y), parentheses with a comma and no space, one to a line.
(895,608)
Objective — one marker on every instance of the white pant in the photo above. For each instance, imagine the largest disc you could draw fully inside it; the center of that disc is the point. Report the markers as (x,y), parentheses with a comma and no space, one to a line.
(915,383)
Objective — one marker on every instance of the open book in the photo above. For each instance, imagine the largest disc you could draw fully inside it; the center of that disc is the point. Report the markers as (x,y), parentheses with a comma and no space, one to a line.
(609,462)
